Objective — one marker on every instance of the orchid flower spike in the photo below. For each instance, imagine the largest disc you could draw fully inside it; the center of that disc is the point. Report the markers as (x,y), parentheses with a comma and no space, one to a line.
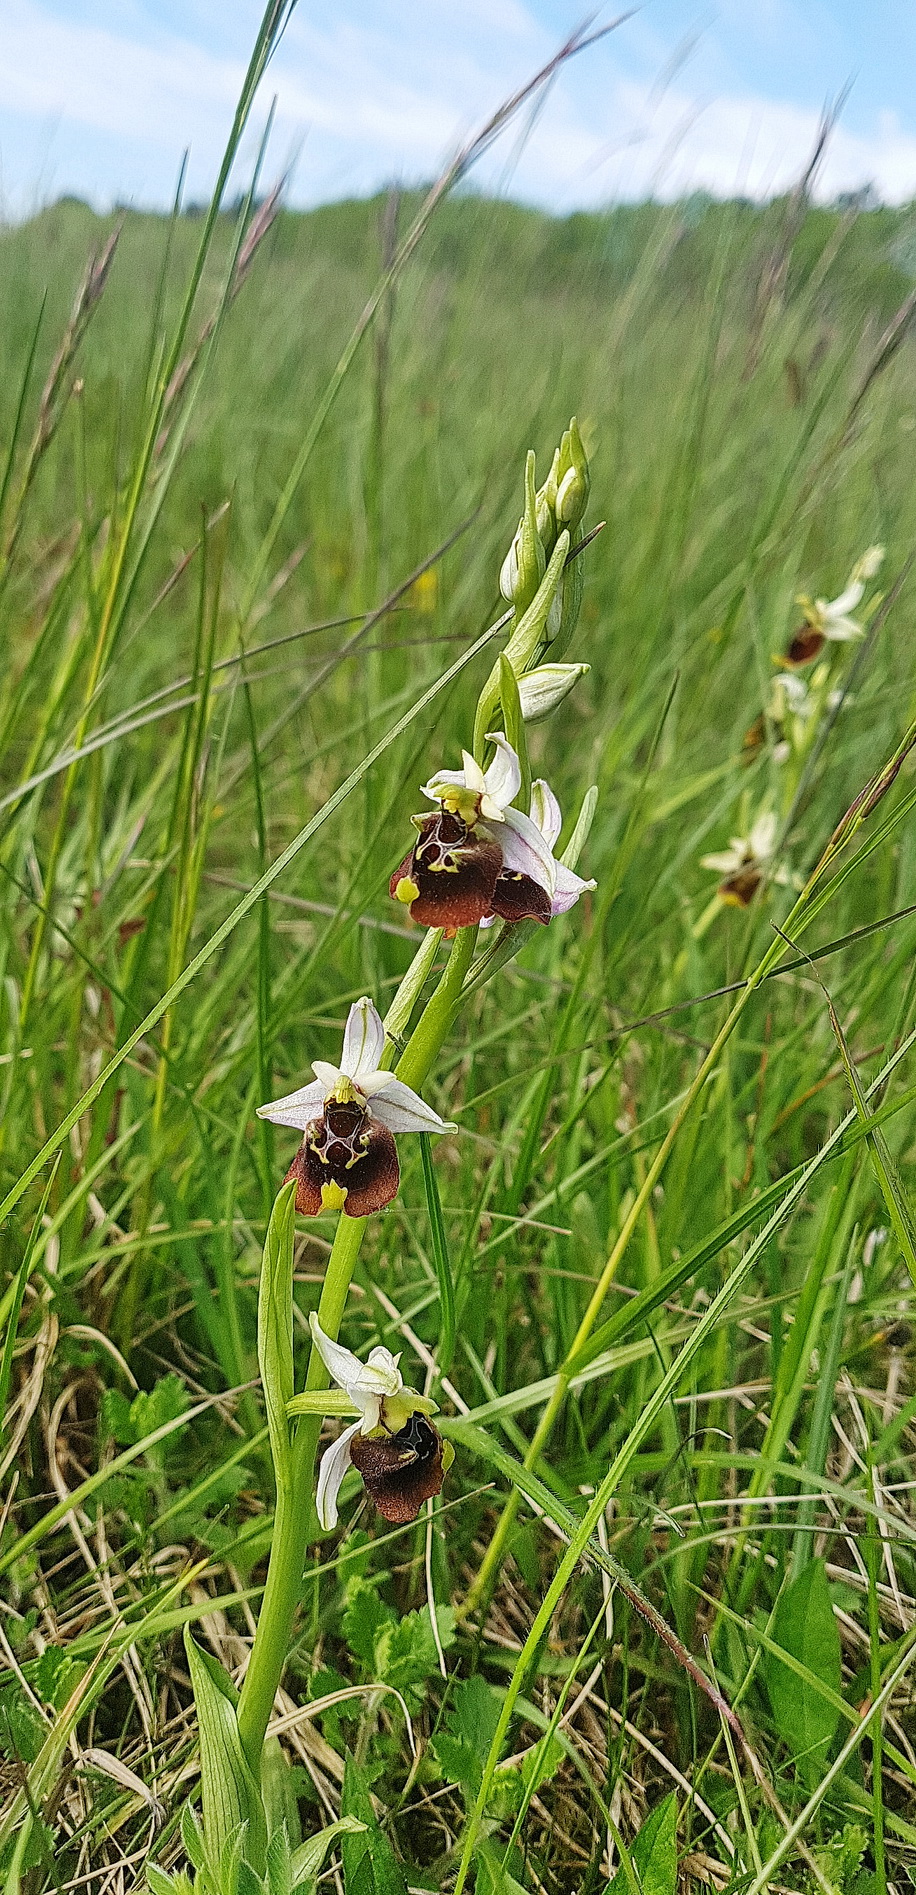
(347,1160)
(832,618)
(479,857)
(393,1444)
(747,861)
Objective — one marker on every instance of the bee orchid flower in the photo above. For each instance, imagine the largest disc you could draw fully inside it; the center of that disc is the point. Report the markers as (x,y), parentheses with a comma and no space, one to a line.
(480,858)
(747,862)
(349,1114)
(450,874)
(831,619)
(402,1458)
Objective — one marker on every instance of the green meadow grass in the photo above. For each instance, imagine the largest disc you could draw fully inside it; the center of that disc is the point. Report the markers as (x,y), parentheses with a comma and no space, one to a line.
(194,663)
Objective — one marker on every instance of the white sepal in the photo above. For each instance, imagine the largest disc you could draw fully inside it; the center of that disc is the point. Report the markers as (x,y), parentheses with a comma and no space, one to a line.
(364,1039)
(402,1110)
(366,1383)
(297,1108)
(334,1463)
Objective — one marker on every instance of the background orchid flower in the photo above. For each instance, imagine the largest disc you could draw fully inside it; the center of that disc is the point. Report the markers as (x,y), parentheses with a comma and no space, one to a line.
(349,1113)
(832,618)
(401,1456)
(747,860)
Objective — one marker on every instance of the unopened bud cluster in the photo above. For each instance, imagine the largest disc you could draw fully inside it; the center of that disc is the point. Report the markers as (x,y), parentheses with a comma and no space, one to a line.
(550,510)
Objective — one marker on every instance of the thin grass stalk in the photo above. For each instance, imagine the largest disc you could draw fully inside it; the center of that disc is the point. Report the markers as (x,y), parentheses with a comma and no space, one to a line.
(803,911)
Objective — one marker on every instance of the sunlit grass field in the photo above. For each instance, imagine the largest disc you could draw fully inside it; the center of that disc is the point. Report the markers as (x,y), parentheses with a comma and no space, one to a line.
(196,657)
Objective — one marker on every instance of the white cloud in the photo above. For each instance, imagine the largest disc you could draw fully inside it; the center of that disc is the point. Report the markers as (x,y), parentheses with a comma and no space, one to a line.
(376,100)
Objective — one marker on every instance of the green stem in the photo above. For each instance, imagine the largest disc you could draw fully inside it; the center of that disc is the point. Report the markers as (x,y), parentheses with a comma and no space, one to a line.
(295,1520)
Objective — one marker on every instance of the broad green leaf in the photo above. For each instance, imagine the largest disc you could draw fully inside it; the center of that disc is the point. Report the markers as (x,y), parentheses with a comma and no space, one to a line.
(161,1883)
(229,1792)
(462,1745)
(278,1863)
(309,1859)
(804,1626)
(370,1864)
(654,1854)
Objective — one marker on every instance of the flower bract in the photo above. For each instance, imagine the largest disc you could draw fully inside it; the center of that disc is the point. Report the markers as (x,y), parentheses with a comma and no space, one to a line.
(349,1115)
(393,1444)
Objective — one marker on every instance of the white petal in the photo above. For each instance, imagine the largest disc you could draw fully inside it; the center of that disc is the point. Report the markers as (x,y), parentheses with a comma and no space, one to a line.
(845,602)
(382,1359)
(568,889)
(326,1073)
(474,778)
(526,852)
(443,779)
(503,778)
(841,629)
(297,1108)
(795,691)
(727,862)
(364,1039)
(371,1083)
(763,836)
(541,690)
(508,572)
(402,1110)
(545,811)
(869,563)
(340,1363)
(334,1463)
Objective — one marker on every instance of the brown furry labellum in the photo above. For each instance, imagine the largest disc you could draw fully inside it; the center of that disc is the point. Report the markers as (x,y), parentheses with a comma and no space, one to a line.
(449,876)
(401,1470)
(346,1159)
(739,889)
(806,645)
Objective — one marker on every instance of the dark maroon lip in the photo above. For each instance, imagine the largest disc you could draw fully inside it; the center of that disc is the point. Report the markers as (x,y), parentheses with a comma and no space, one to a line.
(347,1147)
(400,1470)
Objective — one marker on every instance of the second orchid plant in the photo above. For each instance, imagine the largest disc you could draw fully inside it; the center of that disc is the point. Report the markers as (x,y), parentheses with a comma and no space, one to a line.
(479,861)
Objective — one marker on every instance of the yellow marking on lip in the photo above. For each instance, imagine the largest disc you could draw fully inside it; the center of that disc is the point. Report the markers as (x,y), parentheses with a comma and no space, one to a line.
(333,1196)
(406,890)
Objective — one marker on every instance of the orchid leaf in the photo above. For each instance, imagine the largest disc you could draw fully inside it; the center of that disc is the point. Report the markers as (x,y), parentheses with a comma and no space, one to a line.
(229,1792)
(514,726)
(309,1859)
(275,1327)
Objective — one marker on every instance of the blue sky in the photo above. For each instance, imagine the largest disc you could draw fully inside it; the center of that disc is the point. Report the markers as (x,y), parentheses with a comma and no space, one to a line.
(101,97)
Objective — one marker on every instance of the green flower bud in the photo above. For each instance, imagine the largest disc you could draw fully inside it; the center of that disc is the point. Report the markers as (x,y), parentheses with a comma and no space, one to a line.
(572,480)
(541,690)
(546,506)
(525,563)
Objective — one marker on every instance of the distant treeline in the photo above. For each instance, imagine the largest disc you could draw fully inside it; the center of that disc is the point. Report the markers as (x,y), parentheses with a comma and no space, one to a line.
(863,252)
